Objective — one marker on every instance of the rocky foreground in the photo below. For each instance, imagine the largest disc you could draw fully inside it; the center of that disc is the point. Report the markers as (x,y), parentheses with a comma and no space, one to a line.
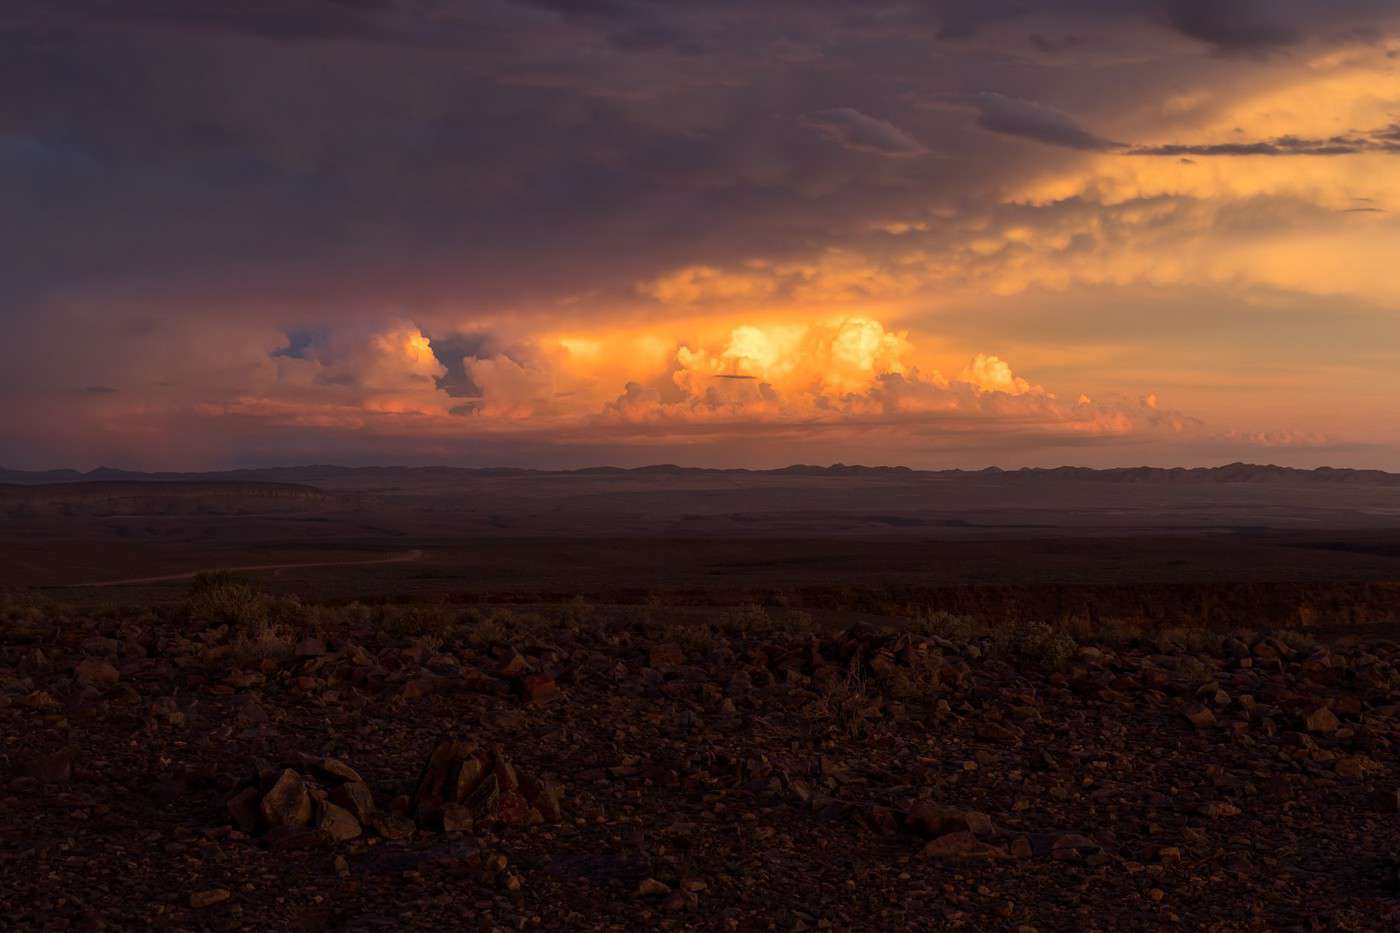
(254,764)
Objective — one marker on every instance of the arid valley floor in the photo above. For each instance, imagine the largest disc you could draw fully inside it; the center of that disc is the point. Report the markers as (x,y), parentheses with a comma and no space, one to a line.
(666,699)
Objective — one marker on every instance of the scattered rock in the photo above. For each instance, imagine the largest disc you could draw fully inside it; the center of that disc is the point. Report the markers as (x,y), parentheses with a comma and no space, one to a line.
(202,899)
(536,688)
(286,802)
(482,786)
(650,887)
(1200,716)
(961,845)
(1321,721)
(51,768)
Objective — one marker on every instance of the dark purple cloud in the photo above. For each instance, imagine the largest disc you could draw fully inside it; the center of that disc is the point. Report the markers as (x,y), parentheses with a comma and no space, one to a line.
(1011,116)
(863,133)
(1385,140)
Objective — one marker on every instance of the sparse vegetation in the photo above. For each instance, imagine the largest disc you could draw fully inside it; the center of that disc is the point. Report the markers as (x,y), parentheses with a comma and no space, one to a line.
(692,637)
(440,619)
(1039,643)
(259,624)
(752,619)
(845,705)
(25,607)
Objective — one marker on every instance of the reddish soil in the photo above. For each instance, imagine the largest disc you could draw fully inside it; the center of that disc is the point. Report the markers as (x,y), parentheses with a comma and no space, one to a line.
(720,769)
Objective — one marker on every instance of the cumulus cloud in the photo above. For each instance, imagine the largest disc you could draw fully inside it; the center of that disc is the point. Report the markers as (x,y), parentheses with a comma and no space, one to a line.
(993,374)
(387,369)
(511,389)
(863,133)
(854,374)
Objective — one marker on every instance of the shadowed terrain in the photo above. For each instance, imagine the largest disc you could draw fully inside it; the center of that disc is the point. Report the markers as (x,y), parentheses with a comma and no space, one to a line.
(804,699)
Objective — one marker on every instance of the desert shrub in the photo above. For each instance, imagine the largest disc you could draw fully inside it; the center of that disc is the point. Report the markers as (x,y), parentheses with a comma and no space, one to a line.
(1116,631)
(1189,639)
(260,625)
(1301,642)
(747,619)
(693,638)
(751,619)
(225,599)
(26,608)
(845,706)
(488,629)
(576,612)
(328,619)
(430,644)
(944,624)
(436,618)
(1039,643)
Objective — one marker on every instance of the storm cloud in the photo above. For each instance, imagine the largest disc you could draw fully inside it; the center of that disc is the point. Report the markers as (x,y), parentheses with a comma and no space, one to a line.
(439,224)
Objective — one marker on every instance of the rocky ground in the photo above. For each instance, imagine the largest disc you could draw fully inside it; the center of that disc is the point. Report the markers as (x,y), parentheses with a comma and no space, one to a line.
(248,762)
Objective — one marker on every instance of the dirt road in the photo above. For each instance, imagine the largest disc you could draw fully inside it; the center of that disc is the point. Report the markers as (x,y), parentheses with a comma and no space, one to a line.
(402,558)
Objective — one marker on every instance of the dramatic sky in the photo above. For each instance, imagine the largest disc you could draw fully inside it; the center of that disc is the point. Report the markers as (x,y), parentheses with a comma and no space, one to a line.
(713,232)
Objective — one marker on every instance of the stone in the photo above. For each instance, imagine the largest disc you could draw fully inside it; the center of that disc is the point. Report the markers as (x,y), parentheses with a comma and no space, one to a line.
(391,826)
(242,680)
(338,771)
(931,819)
(456,818)
(51,768)
(650,887)
(961,845)
(310,648)
(1321,721)
(666,656)
(248,710)
(356,797)
(438,782)
(95,672)
(681,900)
(1200,716)
(244,810)
(1072,847)
(288,838)
(287,803)
(339,822)
(202,899)
(536,688)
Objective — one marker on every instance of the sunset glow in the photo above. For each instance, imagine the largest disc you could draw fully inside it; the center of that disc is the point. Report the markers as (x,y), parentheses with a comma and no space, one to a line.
(926,234)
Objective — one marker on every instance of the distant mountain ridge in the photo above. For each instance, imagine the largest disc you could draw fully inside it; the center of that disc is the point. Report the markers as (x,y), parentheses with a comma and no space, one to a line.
(310,475)
(136,497)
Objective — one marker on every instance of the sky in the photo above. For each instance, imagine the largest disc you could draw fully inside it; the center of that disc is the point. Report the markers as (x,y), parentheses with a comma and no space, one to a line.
(562,233)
